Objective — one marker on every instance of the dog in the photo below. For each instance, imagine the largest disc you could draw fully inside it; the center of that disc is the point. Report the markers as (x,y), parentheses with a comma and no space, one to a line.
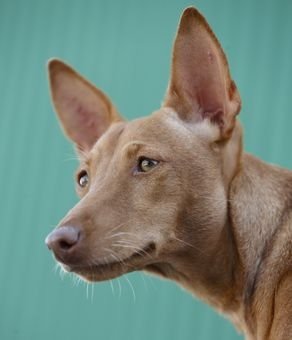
(174,193)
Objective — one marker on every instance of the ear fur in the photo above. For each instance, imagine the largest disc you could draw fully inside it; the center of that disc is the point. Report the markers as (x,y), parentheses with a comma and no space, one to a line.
(200,85)
(84,111)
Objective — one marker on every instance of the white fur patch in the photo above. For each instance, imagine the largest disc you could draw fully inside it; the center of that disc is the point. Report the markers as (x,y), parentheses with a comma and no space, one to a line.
(203,128)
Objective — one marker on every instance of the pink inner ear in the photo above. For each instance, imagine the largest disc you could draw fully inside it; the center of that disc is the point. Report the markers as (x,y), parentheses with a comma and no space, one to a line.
(86,123)
(200,85)
(84,111)
(200,75)
(210,96)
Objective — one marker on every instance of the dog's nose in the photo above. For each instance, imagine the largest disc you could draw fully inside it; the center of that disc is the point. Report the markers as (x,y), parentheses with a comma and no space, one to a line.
(63,240)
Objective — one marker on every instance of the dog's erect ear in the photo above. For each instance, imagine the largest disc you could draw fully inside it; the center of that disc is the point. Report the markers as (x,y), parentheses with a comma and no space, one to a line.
(84,111)
(200,85)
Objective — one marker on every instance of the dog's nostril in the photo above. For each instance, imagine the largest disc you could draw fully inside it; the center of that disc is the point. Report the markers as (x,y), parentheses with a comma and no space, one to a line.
(65,245)
(63,239)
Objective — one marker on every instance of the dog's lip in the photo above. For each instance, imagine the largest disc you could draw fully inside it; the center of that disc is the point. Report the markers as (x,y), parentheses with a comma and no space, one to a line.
(130,261)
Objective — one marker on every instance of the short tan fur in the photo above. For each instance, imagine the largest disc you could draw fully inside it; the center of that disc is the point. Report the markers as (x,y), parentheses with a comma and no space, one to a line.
(174,193)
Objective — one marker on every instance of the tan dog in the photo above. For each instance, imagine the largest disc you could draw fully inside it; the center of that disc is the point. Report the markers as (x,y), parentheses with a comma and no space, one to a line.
(175,195)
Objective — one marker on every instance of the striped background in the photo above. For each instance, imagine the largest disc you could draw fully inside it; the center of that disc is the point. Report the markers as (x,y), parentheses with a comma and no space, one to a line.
(124,47)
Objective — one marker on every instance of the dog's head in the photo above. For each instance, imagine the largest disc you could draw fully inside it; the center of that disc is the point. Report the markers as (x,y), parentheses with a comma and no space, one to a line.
(153,189)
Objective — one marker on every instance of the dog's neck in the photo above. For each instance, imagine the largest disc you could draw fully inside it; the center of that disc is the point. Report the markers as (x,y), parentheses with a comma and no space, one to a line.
(225,275)
(260,202)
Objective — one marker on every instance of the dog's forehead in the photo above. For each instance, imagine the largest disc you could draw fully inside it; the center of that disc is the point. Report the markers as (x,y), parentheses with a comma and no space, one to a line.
(166,126)
(155,127)
(162,127)
(147,130)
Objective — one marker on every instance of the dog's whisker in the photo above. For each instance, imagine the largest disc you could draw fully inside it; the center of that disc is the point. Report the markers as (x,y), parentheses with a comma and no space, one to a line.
(120,288)
(87,289)
(136,248)
(144,281)
(76,280)
(114,256)
(62,272)
(121,233)
(56,267)
(75,159)
(113,229)
(92,292)
(188,244)
(131,286)
(150,279)
(112,287)
(117,258)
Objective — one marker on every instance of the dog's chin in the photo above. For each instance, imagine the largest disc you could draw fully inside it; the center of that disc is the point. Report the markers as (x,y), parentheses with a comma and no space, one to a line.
(111,270)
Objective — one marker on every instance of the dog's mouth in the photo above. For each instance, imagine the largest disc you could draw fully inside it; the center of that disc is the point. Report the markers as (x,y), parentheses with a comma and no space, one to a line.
(94,271)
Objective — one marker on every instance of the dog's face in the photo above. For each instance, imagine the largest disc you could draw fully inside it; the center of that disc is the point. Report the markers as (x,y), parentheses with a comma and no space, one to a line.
(154,189)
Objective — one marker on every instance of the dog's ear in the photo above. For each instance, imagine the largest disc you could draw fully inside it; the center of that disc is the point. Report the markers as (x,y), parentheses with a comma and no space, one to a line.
(84,111)
(200,85)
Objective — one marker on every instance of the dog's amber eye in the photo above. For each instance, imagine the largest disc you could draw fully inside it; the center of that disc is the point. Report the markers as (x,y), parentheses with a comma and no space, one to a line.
(83,178)
(146,164)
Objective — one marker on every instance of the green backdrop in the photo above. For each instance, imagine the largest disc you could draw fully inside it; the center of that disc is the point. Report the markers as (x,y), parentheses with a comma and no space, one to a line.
(124,47)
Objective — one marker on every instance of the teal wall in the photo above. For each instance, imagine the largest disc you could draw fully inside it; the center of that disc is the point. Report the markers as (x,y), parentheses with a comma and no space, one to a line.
(124,47)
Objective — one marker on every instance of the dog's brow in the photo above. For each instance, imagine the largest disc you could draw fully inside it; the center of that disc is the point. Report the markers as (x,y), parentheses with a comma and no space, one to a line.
(132,148)
(88,161)
(85,162)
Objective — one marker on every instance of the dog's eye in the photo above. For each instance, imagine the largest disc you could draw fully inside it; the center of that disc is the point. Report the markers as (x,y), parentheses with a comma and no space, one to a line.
(83,178)
(146,164)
